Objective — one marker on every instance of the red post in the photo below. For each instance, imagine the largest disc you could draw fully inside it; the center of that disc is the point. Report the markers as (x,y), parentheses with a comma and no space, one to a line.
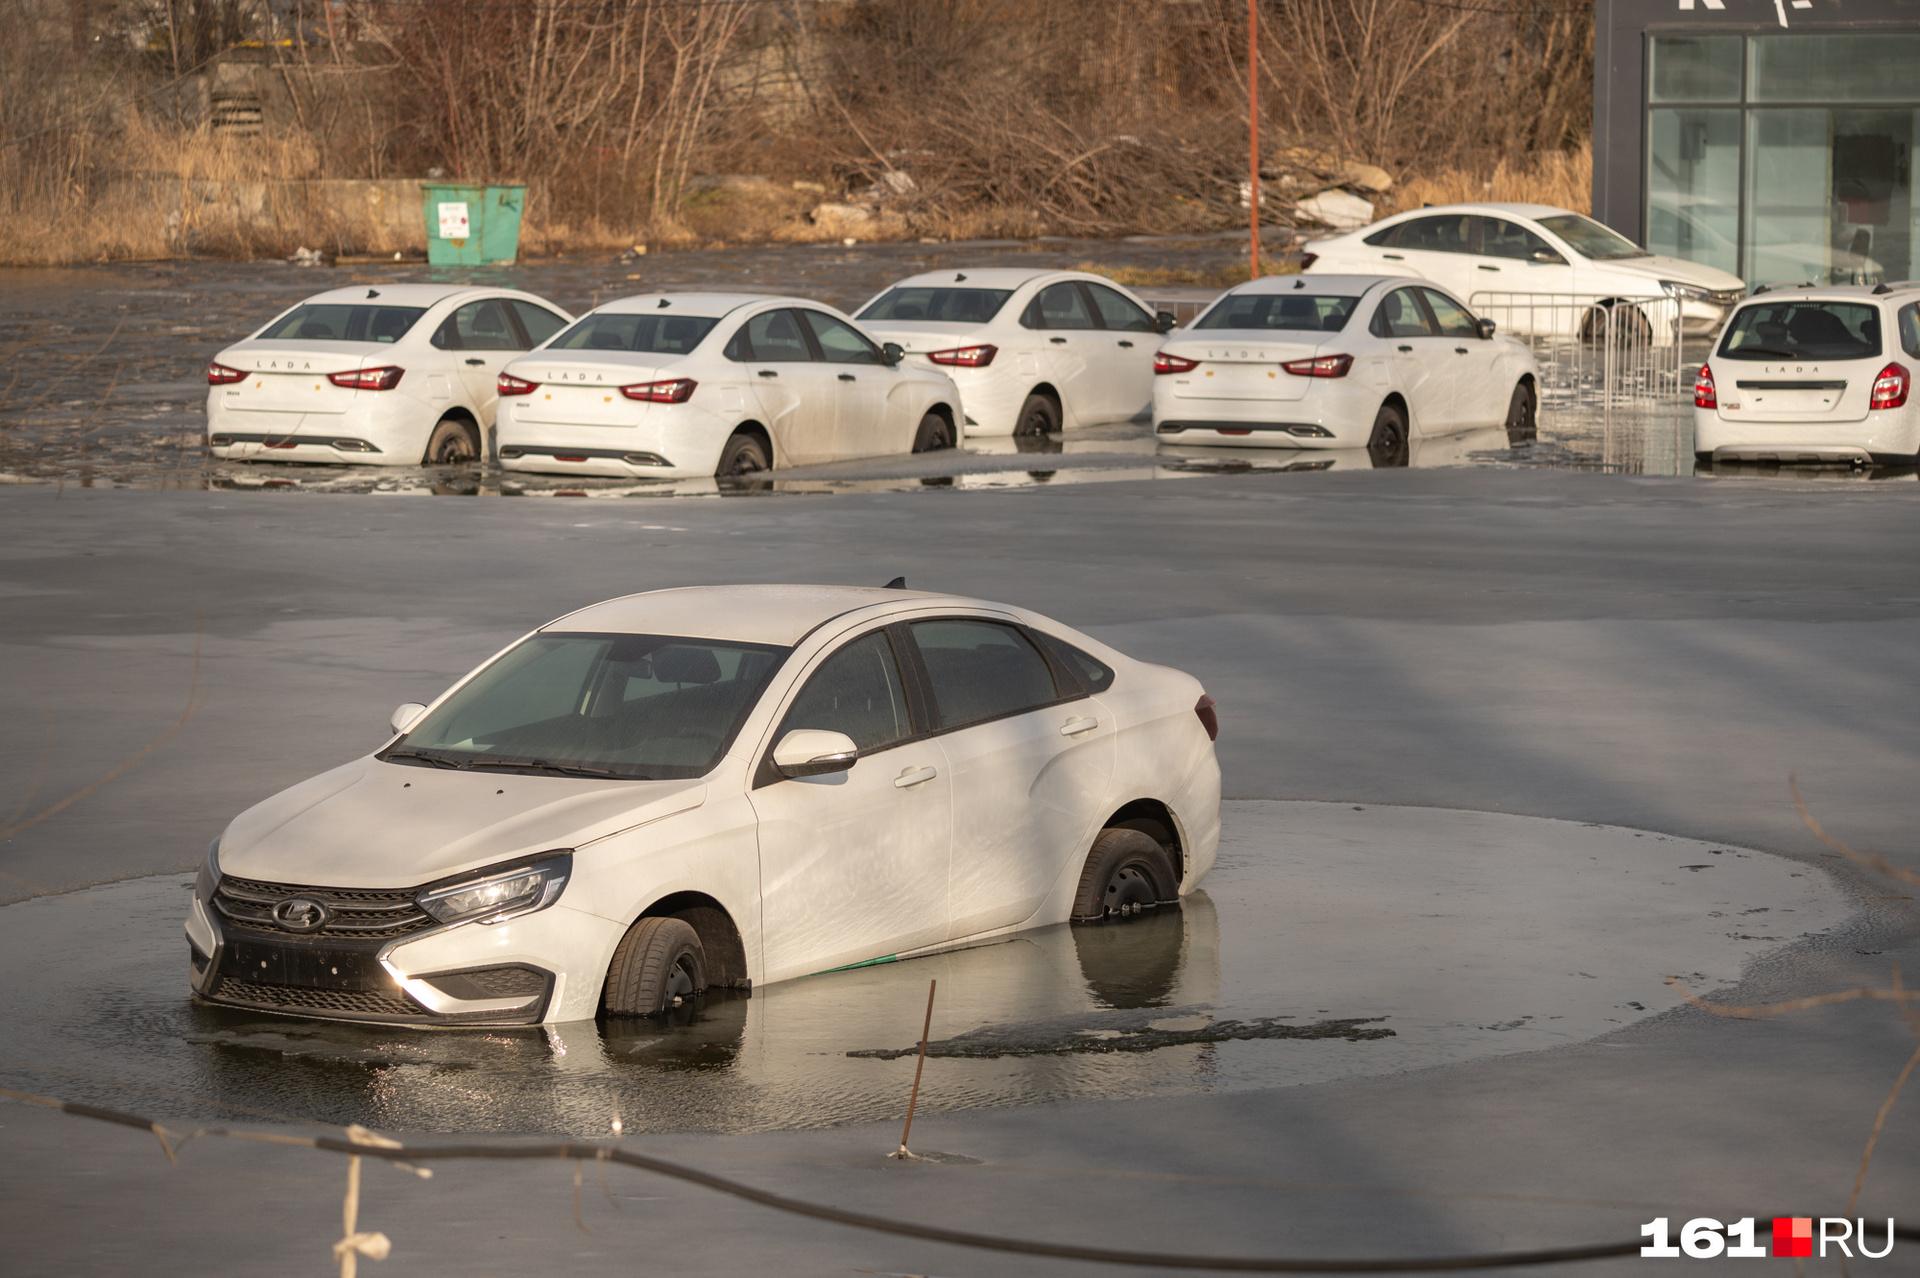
(1253,138)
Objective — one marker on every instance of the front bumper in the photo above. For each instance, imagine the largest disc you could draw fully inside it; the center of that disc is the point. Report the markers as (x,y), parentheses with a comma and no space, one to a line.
(537,968)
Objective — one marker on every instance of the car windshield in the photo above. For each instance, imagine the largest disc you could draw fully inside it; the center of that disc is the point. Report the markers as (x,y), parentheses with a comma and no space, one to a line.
(947,305)
(1310,312)
(342,322)
(1801,329)
(1591,240)
(640,707)
(648,332)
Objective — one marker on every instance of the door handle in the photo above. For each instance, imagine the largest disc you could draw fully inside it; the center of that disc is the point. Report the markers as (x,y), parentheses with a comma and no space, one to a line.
(912,777)
(1406,350)
(1393,257)
(476,362)
(1058,341)
(1124,342)
(848,377)
(1484,267)
(769,372)
(1074,727)
(1459,350)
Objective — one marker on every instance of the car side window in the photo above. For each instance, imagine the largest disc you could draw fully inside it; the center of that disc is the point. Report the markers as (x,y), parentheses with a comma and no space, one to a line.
(774,337)
(1057,306)
(841,343)
(981,670)
(538,322)
(1084,668)
(856,691)
(1401,315)
(1117,312)
(1501,238)
(478,326)
(1453,318)
(1387,236)
(1910,329)
(1446,234)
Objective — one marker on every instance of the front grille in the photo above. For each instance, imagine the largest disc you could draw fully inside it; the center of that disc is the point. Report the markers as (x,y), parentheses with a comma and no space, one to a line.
(366,914)
(293,998)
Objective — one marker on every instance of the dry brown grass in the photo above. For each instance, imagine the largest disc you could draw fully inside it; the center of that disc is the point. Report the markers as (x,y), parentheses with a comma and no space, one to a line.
(1560,178)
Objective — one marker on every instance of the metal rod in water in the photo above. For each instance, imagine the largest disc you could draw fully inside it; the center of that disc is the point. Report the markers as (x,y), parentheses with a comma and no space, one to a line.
(913,1097)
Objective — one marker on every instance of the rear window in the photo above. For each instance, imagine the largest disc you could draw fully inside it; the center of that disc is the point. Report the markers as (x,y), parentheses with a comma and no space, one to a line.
(646,332)
(946,305)
(342,322)
(1312,312)
(1800,329)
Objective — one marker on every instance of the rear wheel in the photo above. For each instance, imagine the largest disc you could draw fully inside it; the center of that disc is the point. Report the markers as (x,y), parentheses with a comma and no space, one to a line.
(744,454)
(1039,415)
(1127,873)
(1388,442)
(658,966)
(934,434)
(455,442)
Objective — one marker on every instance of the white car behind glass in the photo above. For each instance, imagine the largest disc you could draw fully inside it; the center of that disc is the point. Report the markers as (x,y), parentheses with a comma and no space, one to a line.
(1032,351)
(714,787)
(1495,255)
(681,385)
(1813,375)
(1339,361)
(391,375)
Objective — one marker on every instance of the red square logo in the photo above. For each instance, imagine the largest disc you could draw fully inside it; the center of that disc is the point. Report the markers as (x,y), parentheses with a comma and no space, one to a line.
(1793,1235)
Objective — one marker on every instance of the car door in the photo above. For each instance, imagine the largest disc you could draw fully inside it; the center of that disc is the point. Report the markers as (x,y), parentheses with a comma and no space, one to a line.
(1478,397)
(854,865)
(1434,248)
(797,393)
(1031,758)
(480,338)
(863,426)
(1130,338)
(1417,357)
(1069,347)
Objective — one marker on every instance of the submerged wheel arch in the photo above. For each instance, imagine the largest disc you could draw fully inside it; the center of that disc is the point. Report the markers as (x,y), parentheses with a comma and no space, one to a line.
(1155,820)
(725,952)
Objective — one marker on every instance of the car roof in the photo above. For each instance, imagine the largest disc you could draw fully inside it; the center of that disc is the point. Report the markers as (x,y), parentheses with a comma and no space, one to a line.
(706,304)
(1008,277)
(1895,290)
(1344,285)
(772,614)
(402,294)
(1534,211)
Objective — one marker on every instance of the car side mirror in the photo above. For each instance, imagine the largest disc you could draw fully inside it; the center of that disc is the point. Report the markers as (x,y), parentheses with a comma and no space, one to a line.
(814,752)
(405,716)
(1546,257)
(1484,328)
(893,353)
(1165,321)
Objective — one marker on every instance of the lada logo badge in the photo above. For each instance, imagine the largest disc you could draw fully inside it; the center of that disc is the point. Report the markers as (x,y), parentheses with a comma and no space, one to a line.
(300,914)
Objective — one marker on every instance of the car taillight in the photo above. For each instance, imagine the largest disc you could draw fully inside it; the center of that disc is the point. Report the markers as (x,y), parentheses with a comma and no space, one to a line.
(1209,717)
(1165,363)
(1890,387)
(510,385)
(1307,260)
(221,375)
(675,390)
(965,356)
(368,378)
(1320,366)
(1704,395)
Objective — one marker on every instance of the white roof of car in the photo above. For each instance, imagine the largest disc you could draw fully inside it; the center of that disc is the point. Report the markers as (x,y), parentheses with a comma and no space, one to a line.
(1851,292)
(745,614)
(1008,277)
(1534,211)
(401,294)
(699,303)
(1314,282)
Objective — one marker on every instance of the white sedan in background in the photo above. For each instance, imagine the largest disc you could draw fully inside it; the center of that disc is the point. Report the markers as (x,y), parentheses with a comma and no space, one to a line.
(386,375)
(1032,351)
(1339,361)
(1539,270)
(714,787)
(681,385)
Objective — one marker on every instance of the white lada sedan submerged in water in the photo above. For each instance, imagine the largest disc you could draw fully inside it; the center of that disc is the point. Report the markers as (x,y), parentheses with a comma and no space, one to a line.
(682,385)
(714,787)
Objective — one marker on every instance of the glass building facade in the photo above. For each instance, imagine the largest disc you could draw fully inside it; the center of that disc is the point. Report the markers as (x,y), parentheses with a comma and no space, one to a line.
(1781,153)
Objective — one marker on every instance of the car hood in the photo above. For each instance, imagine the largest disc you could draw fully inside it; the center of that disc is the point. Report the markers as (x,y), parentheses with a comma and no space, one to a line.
(1677,269)
(384,825)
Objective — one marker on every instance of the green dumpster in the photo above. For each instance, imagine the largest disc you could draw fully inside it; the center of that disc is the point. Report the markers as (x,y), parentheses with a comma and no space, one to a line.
(472,225)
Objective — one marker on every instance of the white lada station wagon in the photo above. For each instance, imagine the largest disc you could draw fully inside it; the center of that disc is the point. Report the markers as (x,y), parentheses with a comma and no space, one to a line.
(714,787)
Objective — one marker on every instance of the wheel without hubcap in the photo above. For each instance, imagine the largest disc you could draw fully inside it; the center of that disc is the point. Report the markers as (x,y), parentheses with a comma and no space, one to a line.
(1522,415)
(658,966)
(934,434)
(1127,873)
(1038,416)
(1388,442)
(743,455)
(454,442)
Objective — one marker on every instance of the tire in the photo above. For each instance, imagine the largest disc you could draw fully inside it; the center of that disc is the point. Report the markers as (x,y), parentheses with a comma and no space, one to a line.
(454,442)
(1629,326)
(934,434)
(1127,873)
(1039,415)
(1388,442)
(658,961)
(744,455)
(1523,415)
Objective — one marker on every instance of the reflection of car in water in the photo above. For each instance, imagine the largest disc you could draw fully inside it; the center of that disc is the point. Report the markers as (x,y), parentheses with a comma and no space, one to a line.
(1687,227)
(1446,450)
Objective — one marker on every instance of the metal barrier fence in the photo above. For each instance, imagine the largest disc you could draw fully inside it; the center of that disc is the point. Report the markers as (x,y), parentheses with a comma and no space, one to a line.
(1594,351)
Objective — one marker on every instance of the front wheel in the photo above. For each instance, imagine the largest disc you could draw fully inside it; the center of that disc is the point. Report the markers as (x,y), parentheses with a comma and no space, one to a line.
(454,442)
(743,455)
(658,966)
(1127,873)
(934,434)
(1523,422)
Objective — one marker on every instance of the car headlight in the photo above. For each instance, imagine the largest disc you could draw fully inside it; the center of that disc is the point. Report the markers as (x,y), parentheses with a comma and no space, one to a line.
(208,879)
(1687,292)
(504,892)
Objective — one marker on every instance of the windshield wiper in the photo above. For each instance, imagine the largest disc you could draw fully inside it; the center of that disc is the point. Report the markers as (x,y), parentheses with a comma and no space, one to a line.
(435,760)
(554,769)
